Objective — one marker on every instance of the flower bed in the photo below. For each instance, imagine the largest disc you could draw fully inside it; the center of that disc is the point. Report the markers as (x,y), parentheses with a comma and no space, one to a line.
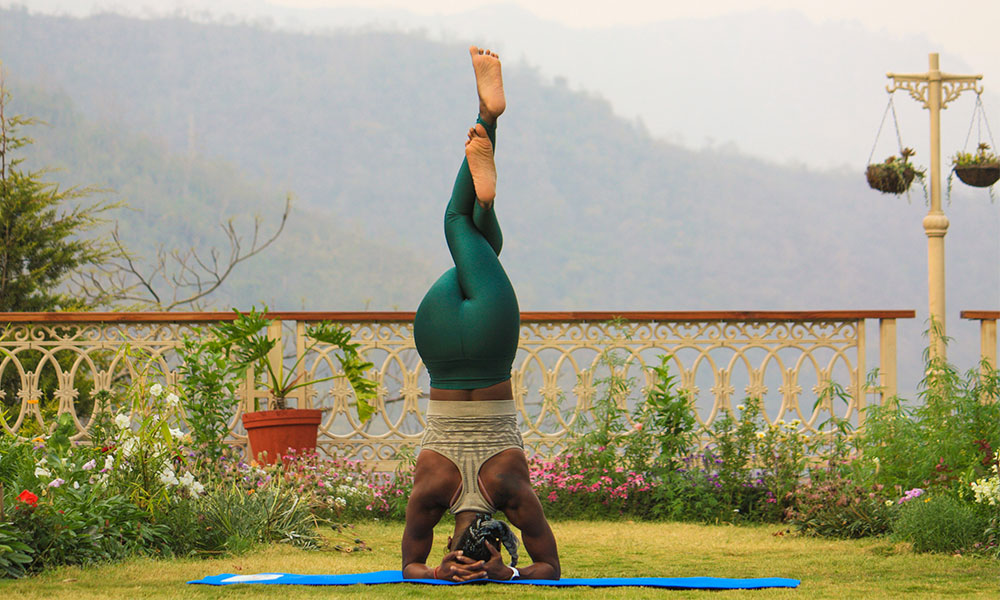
(927,475)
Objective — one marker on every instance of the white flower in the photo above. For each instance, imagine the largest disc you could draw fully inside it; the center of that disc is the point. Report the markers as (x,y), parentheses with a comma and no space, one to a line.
(741,407)
(987,490)
(76,485)
(156,390)
(128,447)
(187,480)
(42,472)
(123,421)
(90,464)
(109,462)
(172,400)
(168,477)
(177,433)
(760,435)
(339,502)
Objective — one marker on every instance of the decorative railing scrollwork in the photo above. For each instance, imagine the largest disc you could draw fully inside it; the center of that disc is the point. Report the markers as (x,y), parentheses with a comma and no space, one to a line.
(53,363)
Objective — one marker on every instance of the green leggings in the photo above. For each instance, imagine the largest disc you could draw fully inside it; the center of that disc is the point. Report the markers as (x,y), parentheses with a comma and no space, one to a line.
(467,326)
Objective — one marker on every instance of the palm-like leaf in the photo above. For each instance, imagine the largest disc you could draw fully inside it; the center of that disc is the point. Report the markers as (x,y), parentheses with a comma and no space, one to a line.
(243,342)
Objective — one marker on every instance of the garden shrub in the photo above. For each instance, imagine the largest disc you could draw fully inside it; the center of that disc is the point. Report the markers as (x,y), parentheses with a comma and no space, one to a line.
(15,555)
(615,455)
(942,523)
(588,492)
(84,531)
(754,466)
(334,489)
(835,505)
(691,492)
(946,441)
(208,385)
(236,519)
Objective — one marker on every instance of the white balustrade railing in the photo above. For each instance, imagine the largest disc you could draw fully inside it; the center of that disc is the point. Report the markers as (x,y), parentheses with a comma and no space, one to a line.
(53,363)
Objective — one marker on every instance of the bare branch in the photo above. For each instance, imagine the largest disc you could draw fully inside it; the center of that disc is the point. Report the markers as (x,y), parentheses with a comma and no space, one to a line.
(189,275)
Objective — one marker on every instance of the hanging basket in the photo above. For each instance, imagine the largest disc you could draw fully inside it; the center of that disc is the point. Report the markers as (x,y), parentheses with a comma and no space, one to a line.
(895,174)
(982,167)
(889,179)
(979,175)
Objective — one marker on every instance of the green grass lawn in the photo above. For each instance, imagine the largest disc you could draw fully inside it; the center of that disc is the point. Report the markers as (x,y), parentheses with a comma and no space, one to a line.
(828,569)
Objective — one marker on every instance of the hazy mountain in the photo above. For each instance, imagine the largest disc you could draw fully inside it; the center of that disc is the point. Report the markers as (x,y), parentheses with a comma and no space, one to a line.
(180,201)
(775,84)
(366,128)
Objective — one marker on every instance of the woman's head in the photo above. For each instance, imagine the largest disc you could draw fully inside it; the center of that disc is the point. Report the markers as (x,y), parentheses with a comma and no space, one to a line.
(472,541)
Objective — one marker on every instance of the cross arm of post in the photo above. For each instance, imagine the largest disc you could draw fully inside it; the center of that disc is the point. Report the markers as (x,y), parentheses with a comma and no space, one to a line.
(917,84)
(953,86)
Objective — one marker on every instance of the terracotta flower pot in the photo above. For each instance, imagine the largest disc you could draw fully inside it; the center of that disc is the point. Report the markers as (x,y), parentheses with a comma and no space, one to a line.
(275,432)
(979,175)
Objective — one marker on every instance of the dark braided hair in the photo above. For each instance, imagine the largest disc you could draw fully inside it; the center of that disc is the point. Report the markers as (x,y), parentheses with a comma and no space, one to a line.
(486,529)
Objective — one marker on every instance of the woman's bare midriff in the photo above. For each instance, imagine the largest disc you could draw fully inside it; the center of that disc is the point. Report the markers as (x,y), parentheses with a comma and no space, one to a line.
(498,391)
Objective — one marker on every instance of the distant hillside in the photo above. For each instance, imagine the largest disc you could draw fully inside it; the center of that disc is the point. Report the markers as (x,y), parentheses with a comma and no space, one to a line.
(181,200)
(368,127)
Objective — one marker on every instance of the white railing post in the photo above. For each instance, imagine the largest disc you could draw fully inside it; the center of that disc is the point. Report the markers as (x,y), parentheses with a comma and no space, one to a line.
(887,360)
(988,342)
(275,357)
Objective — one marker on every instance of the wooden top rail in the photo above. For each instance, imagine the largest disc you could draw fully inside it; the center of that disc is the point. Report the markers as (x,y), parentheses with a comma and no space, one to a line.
(981,315)
(527,317)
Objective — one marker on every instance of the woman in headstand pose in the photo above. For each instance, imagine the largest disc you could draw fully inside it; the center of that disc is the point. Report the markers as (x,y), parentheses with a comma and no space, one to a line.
(472,459)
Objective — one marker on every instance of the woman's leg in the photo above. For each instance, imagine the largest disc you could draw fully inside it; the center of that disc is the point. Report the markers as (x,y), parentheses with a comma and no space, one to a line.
(486,218)
(471,310)
(469,320)
(489,314)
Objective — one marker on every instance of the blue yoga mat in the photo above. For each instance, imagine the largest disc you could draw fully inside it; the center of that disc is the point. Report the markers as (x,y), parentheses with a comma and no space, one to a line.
(674,583)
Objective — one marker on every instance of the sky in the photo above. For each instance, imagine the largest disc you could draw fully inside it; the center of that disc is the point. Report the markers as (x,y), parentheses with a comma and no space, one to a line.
(967,27)
(965,32)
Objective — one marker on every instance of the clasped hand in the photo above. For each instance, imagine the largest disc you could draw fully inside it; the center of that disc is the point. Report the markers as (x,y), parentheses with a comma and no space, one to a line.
(455,566)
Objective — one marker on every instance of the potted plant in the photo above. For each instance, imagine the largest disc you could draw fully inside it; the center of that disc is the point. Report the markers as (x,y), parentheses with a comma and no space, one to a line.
(895,174)
(981,169)
(277,429)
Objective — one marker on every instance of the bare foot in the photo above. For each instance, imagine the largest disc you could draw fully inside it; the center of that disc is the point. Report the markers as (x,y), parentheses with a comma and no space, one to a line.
(479,152)
(489,84)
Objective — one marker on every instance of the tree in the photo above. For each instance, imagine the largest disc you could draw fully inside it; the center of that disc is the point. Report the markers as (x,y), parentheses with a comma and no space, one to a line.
(47,263)
(42,229)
